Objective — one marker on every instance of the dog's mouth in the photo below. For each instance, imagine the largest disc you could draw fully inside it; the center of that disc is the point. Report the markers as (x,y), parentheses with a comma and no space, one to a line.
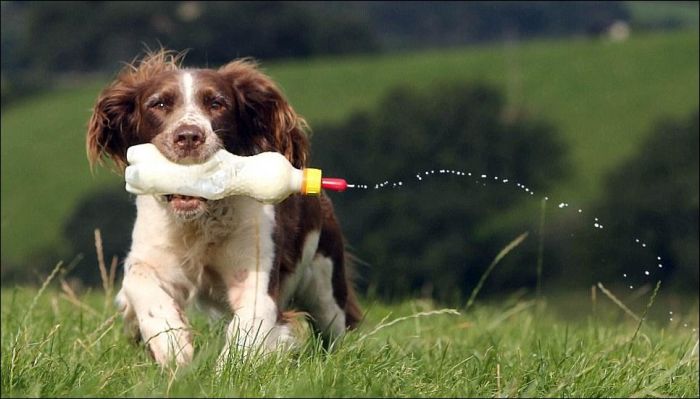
(185,205)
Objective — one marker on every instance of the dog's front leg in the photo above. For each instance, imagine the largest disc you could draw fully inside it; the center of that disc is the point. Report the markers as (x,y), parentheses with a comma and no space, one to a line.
(255,321)
(157,306)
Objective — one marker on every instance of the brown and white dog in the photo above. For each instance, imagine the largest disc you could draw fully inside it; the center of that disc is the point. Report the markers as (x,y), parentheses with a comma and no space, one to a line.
(235,255)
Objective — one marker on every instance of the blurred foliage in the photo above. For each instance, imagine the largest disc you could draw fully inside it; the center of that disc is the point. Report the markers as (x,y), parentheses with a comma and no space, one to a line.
(94,35)
(445,23)
(111,210)
(42,39)
(653,197)
(435,235)
(663,15)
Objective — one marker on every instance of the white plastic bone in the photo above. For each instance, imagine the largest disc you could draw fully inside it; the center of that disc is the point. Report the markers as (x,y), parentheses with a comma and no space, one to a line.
(267,177)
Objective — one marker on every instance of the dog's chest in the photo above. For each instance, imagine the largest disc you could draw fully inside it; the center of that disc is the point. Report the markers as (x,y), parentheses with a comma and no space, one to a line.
(235,233)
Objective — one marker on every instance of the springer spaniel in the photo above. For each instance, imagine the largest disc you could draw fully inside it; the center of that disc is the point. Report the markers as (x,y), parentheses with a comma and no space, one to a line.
(236,256)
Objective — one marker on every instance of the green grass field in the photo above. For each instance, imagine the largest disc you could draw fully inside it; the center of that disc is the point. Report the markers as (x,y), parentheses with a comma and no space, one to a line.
(55,346)
(603,97)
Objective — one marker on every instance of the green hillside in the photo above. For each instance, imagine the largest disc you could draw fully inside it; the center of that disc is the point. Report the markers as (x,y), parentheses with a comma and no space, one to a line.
(603,97)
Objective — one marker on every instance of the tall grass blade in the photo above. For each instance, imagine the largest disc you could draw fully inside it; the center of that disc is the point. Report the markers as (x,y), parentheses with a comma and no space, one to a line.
(519,239)
(101,260)
(383,325)
(644,315)
(617,301)
(540,250)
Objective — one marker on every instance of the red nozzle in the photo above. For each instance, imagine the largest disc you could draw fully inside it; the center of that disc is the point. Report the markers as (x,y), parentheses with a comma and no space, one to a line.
(334,184)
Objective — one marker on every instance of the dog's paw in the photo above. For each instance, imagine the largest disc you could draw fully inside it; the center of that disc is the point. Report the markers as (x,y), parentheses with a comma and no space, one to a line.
(241,347)
(170,346)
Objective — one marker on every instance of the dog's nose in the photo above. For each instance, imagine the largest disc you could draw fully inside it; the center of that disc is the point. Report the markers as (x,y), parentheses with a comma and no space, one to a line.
(189,137)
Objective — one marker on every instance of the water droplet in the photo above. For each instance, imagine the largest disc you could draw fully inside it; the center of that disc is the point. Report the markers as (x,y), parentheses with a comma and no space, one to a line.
(660,265)
(670,312)
(624,275)
(644,245)
(596,225)
(546,198)
(646,272)
(658,258)
(527,189)
(636,240)
(631,287)
(505,180)
(670,319)
(483,176)
(562,205)
(470,173)
(685,325)
(580,210)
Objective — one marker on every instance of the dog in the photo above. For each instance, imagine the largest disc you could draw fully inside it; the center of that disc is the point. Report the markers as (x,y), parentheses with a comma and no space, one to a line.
(235,256)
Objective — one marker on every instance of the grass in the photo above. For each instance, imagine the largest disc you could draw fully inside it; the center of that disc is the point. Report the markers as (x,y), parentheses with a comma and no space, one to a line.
(58,348)
(56,343)
(602,96)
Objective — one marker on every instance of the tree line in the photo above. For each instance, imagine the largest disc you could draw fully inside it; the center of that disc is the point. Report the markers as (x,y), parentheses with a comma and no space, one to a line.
(42,40)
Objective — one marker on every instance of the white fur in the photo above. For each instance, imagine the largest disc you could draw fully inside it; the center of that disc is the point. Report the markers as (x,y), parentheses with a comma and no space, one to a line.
(311,287)
(188,89)
(315,293)
(164,268)
(292,283)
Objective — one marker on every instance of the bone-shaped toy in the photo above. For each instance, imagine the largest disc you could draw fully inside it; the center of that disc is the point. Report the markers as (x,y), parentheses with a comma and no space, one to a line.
(268,177)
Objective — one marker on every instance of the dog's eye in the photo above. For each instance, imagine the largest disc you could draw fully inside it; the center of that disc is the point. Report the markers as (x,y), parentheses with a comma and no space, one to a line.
(159,105)
(216,105)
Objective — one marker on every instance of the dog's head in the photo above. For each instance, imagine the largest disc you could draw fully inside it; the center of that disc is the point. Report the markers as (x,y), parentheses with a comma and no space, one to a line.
(189,114)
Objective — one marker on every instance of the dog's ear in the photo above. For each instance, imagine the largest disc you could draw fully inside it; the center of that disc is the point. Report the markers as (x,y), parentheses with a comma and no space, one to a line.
(112,124)
(265,113)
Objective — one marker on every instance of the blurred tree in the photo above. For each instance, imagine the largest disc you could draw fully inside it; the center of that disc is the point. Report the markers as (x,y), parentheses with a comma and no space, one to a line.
(43,39)
(446,23)
(93,35)
(437,231)
(652,197)
(113,212)
(60,36)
